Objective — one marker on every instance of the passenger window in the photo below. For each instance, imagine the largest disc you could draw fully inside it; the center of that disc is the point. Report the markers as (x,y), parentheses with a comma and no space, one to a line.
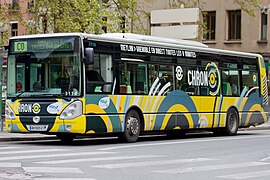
(132,78)
(161,79)
(250,79)
(185,79)
(230,80)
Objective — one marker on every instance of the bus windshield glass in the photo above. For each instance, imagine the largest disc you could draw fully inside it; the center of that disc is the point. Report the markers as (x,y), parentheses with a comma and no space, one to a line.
(44,67)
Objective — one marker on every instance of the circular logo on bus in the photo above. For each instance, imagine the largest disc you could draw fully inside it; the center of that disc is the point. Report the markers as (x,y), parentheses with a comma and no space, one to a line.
(214,78)
(36,108)
(179,73)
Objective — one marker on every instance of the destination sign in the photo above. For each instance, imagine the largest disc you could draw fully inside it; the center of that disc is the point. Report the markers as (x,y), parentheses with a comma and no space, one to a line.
(157,50)
(42,44)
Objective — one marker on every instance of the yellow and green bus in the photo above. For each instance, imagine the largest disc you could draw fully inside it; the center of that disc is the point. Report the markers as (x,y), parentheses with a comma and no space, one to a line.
(126,84)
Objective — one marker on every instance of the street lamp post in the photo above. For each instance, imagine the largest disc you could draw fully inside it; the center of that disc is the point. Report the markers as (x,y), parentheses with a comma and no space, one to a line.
(3,28)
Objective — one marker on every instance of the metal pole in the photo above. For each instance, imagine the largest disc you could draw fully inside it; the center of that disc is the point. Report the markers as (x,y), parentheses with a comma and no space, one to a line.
(1,65)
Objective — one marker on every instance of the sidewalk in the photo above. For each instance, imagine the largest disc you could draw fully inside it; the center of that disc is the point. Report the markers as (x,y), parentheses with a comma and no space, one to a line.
(5,136)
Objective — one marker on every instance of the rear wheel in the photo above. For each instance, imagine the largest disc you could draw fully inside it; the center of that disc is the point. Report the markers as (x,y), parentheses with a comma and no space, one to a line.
(232,122)
(132,127)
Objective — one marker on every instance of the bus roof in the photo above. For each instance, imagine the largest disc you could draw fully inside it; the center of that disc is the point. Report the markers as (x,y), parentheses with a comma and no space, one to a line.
(147,40)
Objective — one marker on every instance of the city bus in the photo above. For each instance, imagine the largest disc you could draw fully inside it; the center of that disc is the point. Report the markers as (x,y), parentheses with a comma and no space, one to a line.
(123,84)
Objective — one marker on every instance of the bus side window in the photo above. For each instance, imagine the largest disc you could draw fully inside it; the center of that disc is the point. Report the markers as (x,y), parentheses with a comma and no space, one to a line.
(250,79)
(132,78)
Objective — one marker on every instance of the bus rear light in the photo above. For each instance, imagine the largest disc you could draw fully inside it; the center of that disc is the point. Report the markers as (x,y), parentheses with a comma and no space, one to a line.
(72,111)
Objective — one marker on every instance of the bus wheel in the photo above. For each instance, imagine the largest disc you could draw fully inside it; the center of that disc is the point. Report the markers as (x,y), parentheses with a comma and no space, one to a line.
(232,122)
(132,127)
(66,138)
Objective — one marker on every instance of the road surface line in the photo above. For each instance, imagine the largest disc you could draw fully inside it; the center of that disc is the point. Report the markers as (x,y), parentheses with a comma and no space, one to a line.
(99,159)
(52,155)
(186,141)
(7,148)
(6,165)
(151,163)
(52,170)
(247,175)
(33,151)
(213,167)
(265,159)
(65,179)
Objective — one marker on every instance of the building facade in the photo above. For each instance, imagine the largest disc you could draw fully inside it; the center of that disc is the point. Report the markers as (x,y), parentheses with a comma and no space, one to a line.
(229,27)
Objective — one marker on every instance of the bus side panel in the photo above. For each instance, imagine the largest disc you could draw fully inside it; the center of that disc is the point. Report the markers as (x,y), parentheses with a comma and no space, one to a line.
(263,83)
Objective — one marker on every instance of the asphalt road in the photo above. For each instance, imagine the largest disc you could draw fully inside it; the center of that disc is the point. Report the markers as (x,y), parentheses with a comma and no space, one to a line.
(196,156)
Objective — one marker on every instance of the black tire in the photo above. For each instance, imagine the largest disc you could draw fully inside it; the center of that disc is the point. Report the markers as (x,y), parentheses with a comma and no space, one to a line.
(132,127)
(232,122)
(66,138)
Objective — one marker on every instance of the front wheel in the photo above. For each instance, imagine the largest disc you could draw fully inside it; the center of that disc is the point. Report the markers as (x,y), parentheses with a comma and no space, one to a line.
(232,122)
(132,127)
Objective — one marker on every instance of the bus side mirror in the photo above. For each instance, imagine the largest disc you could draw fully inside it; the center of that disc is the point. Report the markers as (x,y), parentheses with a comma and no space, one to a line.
(89,56)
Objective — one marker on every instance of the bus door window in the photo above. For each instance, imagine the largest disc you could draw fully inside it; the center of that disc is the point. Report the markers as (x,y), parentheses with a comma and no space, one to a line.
(99,76)
(132,78)
(20,84)
(35,77)
(250,79)
(230,80)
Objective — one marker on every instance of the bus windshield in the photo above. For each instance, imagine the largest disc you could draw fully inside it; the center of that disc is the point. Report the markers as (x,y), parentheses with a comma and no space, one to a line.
(43,67)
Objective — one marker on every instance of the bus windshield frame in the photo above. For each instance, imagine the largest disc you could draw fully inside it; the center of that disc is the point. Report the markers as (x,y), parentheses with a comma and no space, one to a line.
(45,66)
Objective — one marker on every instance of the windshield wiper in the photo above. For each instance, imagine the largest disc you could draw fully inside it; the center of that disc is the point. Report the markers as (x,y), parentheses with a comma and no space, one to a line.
(60,96)
(17,97)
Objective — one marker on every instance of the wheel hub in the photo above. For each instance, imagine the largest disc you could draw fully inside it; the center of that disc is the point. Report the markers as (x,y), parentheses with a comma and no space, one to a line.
(132,125)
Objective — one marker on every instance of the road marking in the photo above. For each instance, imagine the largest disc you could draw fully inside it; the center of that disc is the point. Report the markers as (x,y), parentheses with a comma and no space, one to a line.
(151,163)
(186,141)
(52,170)
(10,165)
(99,159)
(247,175)
(265,159)
(7,148)
(212,167)
(33,151)
(64,179)
(52,155)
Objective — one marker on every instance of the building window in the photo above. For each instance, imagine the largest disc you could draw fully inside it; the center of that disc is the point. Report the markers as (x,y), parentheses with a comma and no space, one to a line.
(263,26)
(14,5)
(210,21)
(234,23)
(30,4)
(14,29)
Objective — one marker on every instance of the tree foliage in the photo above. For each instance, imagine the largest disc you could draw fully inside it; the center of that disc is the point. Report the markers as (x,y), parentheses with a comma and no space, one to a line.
(90,16)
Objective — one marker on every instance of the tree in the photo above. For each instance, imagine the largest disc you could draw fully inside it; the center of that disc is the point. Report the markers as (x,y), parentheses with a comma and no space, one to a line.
(8,12)
(89,16)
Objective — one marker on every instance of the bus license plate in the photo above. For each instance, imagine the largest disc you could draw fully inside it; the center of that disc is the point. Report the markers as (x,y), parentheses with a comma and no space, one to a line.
(37,127)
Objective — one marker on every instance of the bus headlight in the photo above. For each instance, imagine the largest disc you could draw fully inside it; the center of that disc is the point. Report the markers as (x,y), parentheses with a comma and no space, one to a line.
(9,113)
(72,111)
